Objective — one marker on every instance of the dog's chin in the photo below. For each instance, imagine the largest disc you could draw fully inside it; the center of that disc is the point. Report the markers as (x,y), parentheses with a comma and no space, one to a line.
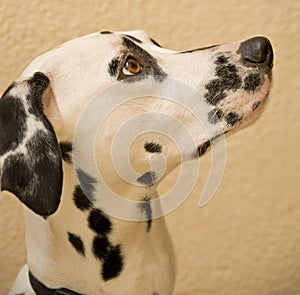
(228,130)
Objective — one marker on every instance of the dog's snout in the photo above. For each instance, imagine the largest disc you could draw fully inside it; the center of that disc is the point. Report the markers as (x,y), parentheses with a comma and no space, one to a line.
(257,50)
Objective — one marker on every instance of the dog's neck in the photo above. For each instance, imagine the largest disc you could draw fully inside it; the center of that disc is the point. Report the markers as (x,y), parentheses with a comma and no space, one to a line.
(145,248)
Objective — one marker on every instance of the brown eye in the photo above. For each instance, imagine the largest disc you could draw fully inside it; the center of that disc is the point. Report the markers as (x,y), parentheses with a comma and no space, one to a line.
(132,67)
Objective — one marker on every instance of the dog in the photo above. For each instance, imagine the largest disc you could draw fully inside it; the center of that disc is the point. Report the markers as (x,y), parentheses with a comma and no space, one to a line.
(74,246)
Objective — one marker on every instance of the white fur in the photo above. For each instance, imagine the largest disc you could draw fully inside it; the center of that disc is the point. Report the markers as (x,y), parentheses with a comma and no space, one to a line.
(78,70)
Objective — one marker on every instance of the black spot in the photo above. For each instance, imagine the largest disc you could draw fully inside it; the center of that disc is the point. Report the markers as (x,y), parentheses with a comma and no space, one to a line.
(113,264)
(228,79)
(229,75)
(106,32)
(232,118)
(203,148)
(148,178)
(87,183)
(152,147)
(80,199)
(12,123)
(222,60)
(149,64)
(145,207)
(101,247)
(99,222)
(113,67)
(76,243)
(252,81)
(215,91)
(134,39)
(255,105)
(155,43)
(66,151)
(215,115)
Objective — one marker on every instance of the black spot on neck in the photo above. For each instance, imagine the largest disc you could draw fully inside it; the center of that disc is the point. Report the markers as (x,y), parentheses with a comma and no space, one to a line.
(87,183)
(152,147)
(113,264)
(77,243)
(145,207)
(101,247)
(80,199)
(99,222)
(148,178)
(66,151)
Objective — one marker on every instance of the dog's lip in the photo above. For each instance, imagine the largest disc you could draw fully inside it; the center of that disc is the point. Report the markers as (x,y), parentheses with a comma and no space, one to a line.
(202,148)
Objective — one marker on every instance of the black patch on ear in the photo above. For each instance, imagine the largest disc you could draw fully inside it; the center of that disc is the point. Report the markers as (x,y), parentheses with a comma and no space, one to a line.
(152,147)
(99,222)
(34,172)
(80,199)
(228,79)
(77,243)
(113,67)
(203,148)
(232,118)
(113,264)
(12,123)
(148,178)
(252,81)
(66,151)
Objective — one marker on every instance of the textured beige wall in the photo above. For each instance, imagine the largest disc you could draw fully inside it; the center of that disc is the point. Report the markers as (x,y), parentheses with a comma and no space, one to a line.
(247,240)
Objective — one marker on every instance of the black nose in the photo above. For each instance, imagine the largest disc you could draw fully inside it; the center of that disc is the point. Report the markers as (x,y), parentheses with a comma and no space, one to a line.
(257,50)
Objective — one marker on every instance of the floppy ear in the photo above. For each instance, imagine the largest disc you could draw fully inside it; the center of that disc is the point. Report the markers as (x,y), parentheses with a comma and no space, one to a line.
(30,158)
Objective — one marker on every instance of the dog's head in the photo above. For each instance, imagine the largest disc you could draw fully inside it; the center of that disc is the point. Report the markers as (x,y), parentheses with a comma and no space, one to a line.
(232,82)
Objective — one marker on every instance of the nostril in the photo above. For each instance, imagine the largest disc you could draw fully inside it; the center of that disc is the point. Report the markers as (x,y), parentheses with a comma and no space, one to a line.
(257,50)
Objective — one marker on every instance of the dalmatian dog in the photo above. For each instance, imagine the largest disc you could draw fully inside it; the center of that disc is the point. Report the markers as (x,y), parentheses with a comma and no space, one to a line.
(74,246)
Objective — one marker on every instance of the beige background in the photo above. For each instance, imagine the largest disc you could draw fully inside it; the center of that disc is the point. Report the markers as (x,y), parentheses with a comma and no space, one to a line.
(247,240)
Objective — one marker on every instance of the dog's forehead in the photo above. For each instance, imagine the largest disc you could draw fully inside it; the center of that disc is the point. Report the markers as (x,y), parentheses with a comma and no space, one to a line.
(105,43)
